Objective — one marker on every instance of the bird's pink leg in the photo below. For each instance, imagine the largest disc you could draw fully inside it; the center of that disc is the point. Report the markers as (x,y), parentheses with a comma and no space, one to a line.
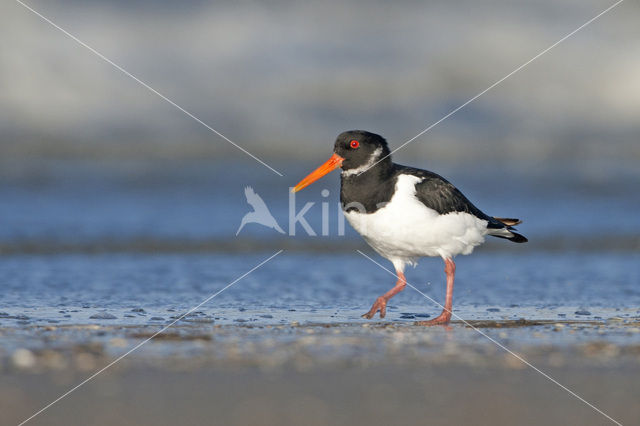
(445,316)
(381,302)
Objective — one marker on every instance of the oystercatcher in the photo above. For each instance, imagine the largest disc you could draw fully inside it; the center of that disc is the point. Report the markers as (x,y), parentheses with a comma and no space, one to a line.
(405,213)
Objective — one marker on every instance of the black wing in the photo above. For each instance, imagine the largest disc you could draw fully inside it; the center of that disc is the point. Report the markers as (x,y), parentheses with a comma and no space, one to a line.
(439,194)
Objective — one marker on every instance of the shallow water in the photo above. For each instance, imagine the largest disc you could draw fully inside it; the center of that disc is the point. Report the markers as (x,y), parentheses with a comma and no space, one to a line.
(146,288)
(124,246)
(96,204)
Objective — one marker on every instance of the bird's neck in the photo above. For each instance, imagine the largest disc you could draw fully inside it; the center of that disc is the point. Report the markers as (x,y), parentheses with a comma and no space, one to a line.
(369,190)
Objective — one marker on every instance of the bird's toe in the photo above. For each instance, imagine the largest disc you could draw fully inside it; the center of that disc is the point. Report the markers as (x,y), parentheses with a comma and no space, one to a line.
(379,305)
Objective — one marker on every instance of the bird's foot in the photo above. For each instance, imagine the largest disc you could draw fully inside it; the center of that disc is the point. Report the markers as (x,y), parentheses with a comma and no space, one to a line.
(379,305)
(443,319)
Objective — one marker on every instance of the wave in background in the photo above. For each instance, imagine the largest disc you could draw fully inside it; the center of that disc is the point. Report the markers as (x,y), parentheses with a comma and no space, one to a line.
(283,78)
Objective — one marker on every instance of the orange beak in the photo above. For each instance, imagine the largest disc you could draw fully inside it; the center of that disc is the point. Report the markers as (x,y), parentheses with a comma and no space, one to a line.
(332,163)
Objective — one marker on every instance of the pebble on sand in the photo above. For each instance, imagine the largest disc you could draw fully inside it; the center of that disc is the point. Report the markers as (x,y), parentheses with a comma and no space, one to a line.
(23,358)
(103,315)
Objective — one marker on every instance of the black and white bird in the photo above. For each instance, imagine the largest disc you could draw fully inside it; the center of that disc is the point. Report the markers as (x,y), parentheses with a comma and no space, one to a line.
(405,213)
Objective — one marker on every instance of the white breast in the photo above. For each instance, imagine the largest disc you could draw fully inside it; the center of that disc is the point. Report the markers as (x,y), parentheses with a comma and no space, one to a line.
(405,229)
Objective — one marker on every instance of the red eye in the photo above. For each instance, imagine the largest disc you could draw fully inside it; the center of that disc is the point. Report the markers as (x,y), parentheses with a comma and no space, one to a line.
(354,144)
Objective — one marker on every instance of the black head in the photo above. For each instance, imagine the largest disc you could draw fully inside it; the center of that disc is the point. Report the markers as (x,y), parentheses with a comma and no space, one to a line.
(355,151)
(360,149)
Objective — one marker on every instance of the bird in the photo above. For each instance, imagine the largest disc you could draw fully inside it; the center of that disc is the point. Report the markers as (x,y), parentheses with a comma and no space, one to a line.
(260,213)
(406,213)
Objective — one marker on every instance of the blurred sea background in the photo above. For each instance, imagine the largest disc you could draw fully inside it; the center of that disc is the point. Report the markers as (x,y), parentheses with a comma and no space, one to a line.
(111,199)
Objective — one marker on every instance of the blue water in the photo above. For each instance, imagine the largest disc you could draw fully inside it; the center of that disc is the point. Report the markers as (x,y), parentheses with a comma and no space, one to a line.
(69,202)
(70,289)
(120,241)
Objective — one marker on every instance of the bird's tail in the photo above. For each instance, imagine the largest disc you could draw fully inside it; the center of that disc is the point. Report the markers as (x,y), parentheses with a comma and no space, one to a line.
(508,222)
(507,231)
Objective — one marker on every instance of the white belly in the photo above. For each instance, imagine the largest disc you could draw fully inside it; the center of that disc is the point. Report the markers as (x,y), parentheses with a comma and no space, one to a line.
(405,229)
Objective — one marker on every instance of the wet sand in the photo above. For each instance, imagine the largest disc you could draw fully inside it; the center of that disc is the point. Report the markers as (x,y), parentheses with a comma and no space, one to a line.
(313,374)
(384,395)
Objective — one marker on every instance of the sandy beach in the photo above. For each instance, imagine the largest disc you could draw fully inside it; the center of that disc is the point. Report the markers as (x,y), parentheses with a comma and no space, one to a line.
(315,374)
(156,268)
